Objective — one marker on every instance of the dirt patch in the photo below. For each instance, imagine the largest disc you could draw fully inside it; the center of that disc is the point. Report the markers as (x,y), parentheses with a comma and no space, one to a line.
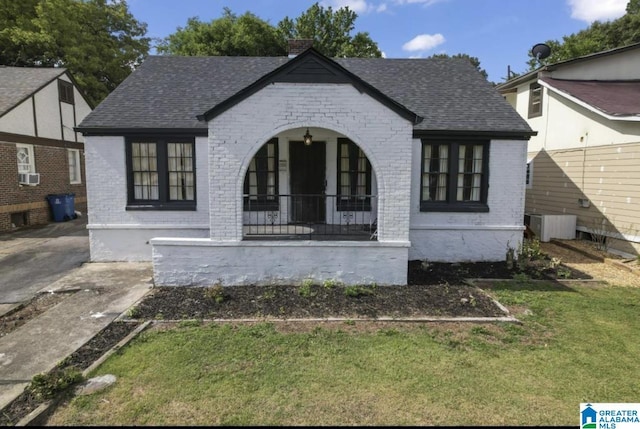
(611,273)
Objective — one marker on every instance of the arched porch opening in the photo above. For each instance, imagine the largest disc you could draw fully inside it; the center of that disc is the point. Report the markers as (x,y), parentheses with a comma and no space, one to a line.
(323,189)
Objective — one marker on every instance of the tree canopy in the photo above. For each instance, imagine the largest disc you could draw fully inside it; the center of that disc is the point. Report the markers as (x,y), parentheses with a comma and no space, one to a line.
(599,36)
(249,35)
(245,35)
(330,31)
(473,60)
(98,41)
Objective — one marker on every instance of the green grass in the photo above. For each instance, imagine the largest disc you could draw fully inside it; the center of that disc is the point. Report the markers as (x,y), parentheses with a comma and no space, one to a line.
(579,344)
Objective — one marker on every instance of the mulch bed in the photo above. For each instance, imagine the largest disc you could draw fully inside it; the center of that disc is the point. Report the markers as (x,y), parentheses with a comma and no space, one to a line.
(434,290)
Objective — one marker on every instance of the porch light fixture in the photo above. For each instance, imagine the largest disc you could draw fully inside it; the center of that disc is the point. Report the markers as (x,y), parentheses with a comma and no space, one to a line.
(308,138)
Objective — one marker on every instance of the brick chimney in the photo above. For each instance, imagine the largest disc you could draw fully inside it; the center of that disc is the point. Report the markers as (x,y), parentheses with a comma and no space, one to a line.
(298,46)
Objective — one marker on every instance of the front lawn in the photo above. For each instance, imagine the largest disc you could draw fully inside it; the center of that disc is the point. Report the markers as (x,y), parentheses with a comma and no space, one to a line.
(577,343)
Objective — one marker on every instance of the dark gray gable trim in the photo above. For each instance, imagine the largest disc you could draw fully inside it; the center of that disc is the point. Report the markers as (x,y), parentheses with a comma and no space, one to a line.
(470,135)
(311,67)
(195,132)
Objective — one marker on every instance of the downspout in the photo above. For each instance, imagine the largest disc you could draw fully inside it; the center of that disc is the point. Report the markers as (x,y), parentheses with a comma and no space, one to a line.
(584,159)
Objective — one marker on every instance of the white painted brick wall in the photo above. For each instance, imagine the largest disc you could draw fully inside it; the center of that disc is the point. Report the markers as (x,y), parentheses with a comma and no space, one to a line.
(203,262)
(237,134)
(457,237)
(108,220)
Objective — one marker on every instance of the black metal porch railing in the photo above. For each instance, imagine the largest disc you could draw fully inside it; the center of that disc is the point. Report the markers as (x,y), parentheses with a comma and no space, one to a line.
(308,217)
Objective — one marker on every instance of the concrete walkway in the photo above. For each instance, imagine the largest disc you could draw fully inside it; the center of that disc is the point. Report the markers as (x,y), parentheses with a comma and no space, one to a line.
(105,290)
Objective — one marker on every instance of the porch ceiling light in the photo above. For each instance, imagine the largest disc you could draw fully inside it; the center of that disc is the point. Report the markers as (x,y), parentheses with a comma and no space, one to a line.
(308,138)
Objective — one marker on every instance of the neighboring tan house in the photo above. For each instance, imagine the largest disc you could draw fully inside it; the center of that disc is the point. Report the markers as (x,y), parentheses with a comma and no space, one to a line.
(40,152)
(585,160)
(271,170)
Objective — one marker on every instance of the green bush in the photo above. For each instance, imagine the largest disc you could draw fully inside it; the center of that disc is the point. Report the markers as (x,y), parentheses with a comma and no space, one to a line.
(46,386)
(358,290)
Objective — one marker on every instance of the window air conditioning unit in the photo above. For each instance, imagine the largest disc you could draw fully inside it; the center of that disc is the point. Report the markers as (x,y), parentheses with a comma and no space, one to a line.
(31,179)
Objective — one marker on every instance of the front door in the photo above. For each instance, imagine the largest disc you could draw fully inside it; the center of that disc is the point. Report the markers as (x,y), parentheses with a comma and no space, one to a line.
(307,182)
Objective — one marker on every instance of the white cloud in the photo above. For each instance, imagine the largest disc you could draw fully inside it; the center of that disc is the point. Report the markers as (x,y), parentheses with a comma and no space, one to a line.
(593,10)
(425,2)
(358,6)
(381,7)
(424,42)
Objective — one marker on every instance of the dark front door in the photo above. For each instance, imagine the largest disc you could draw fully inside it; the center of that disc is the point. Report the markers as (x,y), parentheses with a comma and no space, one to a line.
(307,166)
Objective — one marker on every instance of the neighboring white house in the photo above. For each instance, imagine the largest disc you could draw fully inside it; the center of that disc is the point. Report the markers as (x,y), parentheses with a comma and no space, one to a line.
(254,170)
(585,160)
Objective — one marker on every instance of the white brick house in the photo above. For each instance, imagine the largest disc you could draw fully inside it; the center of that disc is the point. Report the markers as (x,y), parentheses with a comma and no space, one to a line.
(200,165)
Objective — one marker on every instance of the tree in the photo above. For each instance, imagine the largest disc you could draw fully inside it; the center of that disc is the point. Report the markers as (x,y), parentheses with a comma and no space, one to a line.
(231,35)
(599,36)
(473,60)
(330,31)
(98,41)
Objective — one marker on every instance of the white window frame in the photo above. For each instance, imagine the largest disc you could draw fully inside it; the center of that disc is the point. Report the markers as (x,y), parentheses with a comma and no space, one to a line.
(30,154)
(74,170)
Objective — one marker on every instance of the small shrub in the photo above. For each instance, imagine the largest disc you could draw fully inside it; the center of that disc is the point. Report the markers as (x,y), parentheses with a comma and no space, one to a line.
(133,313)
(563,273)
(555,263)
(599,233)
(46,386)
(530,249)
(329,284)
(358,290)
(306,289)
(215,293)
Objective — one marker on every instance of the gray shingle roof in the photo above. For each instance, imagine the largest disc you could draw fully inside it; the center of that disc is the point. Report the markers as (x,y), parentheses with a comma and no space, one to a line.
(170,91)
(18,83)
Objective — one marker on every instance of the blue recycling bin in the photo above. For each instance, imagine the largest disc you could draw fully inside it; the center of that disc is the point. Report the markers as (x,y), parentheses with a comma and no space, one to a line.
(62,206)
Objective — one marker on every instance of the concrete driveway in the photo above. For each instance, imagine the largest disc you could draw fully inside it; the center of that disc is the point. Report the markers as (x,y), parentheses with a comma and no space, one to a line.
(34,257)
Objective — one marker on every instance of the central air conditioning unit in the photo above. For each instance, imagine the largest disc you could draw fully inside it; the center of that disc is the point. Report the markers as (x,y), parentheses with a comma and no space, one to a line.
(31,179)
(546,227)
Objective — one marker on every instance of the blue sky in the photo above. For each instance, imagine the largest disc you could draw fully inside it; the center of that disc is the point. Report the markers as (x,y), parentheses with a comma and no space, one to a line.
(498,32)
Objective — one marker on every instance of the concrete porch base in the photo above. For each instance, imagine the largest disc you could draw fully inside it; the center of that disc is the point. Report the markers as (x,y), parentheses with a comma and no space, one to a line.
(204,262)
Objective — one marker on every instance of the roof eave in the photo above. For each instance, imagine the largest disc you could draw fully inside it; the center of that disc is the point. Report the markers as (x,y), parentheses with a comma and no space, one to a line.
(475,134)
(106,131)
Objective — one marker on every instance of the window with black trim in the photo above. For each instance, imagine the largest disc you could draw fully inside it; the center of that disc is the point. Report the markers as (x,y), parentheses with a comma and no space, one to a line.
(65,89)
(535,100)
(261,180)
(161,173)
(354,177)
(529,175)
(455,176)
